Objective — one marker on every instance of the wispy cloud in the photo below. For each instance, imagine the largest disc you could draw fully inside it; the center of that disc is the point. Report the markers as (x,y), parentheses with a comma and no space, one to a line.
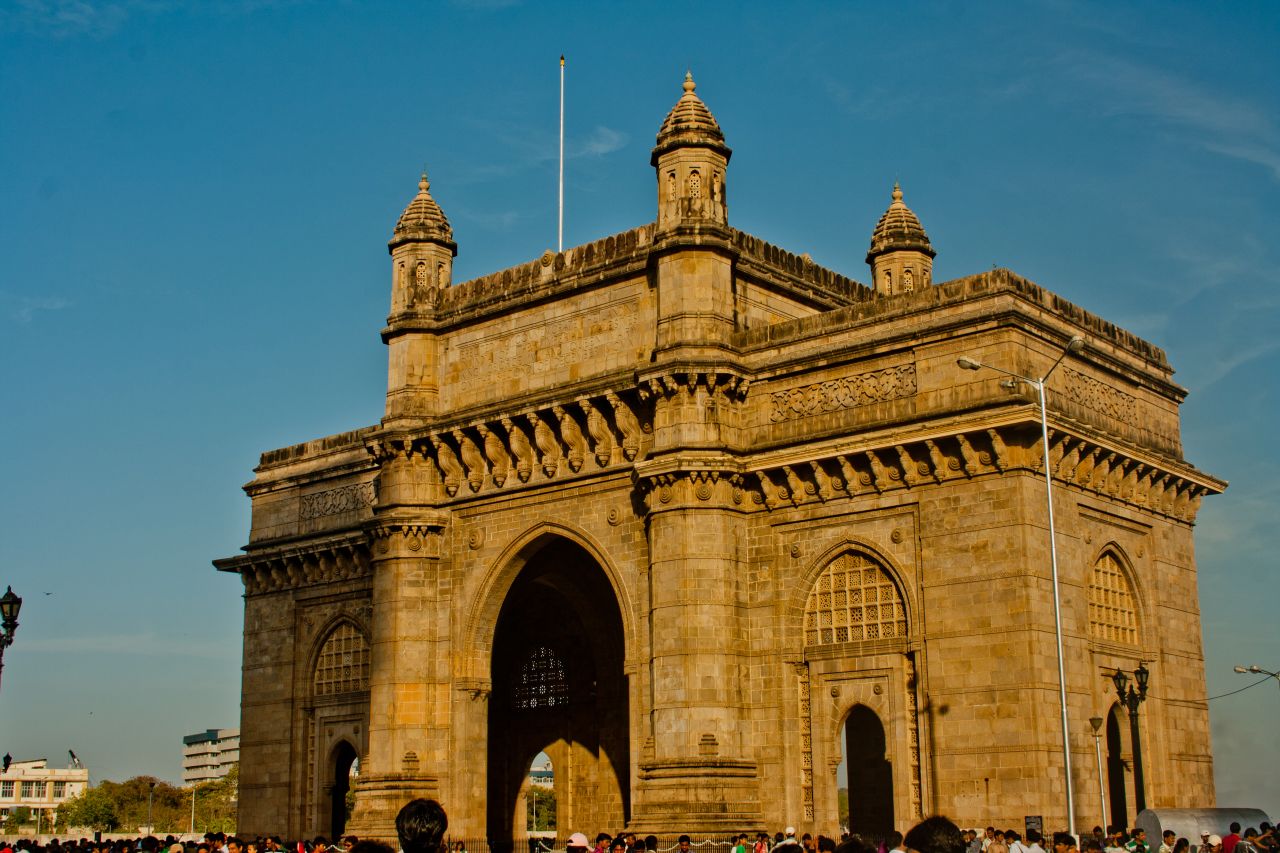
(531,149)
(142,643)
(1222,123)
(26,308)
(102,18)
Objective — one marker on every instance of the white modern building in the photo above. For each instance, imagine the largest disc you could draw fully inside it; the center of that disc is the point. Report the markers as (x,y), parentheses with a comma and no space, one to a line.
(35,785)
(209,754)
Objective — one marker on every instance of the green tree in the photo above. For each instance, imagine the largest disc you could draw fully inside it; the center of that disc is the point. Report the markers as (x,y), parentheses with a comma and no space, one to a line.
(94,809)
(17,818)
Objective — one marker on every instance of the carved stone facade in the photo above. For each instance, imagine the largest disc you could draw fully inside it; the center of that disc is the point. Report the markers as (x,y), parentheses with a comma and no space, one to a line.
(699,519)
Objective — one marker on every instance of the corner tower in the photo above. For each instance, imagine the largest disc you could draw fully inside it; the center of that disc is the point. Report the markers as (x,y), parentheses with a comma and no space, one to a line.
(901,257)
(691,157)
(422,252)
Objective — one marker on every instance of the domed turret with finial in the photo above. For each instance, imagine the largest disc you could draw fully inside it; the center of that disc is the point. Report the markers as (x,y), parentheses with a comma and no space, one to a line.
(690,157)
(422,252)
(901,257)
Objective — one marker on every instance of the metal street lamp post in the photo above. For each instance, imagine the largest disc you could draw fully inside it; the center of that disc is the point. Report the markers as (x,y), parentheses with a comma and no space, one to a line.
(1075,345)
(10,604)
(1131,698)
(1096,722)
(194,787)
(151,791)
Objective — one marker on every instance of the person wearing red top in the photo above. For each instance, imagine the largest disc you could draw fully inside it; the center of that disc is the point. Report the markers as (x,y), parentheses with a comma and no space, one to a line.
(1229,843)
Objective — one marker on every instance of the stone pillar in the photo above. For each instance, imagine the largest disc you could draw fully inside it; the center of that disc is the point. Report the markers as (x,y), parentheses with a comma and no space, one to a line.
(409,672)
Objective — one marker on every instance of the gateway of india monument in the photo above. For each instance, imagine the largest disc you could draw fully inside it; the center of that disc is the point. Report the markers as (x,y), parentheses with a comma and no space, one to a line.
(701,519)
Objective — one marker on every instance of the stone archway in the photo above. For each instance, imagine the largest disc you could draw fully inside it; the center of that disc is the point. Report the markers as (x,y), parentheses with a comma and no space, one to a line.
(870,774)
(558,687)
(1117,800)
(341,760)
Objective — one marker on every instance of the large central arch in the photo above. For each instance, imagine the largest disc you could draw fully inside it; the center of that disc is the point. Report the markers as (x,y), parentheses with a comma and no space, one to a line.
(559,687)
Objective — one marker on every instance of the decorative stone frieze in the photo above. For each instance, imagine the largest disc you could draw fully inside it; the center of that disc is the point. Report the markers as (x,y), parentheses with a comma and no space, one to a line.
(847,392)
(348,498)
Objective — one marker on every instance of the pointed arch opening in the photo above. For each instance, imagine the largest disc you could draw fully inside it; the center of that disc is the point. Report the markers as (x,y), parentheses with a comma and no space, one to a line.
(343,762)
(559,689)
(1116,769)
(867,807)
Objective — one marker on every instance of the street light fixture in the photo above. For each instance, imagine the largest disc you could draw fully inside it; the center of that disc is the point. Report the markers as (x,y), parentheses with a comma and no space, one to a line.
(1257,670)
(1131,698)
(1096,722)
(151,791)
(1075,345)
(10,604)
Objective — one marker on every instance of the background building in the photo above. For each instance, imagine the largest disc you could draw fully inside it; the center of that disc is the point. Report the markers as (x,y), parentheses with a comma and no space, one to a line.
(35,785)
(701,519)
(209,754)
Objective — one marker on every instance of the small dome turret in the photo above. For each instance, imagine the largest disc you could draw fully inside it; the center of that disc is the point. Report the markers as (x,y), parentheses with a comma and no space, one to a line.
(901,256)
(422,220)
(690,157)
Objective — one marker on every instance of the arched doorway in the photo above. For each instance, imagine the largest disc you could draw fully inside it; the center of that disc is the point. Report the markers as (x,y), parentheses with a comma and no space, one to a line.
(1115,770)
(559,688)
(870,774)
(342,760)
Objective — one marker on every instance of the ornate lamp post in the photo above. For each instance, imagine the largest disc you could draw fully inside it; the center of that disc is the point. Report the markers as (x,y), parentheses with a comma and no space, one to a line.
(10,604)
(1096,722)
(1075,345)
(1131,698)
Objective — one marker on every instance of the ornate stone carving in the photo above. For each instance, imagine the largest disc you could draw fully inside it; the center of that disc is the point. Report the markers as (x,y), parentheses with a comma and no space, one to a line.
(520,449)
(1097,396)
(499,459)
(331,560)
(548,445)
(574,442)
(598,429)
(628,425)
(472,459)
(876,386)
(450,468)
(348,498)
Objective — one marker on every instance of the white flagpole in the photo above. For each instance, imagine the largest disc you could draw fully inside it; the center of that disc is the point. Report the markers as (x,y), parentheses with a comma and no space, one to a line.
(560,230)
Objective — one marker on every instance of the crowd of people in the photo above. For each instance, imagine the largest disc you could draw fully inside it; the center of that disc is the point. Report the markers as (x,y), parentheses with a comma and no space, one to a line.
(422,824)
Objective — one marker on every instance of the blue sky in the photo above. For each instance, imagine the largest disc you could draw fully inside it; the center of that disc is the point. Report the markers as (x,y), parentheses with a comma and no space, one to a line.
(195,200)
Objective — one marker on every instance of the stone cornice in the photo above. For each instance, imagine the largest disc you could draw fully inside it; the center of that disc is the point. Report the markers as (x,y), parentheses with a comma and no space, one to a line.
(326,559)
(887,462)
(593,432)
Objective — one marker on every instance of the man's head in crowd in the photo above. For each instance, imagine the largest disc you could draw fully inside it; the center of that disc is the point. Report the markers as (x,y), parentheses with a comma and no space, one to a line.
(421,825)
(935,835)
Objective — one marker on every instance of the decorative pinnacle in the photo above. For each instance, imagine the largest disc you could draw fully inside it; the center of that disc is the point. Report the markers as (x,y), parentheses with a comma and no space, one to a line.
(689,85)
(897,193)
(423,183)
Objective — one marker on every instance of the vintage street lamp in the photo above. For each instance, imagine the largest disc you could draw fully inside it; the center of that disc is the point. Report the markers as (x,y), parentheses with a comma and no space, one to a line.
(151,792)
(10,604)
(1075,345)
(1096,722)
(1131,698)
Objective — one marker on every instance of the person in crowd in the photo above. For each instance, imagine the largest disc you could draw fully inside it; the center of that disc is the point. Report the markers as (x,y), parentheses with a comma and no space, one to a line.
(988,835)
(683,843)
(1167,839)
(807,842)
(1064,842)
(935,835)
(1115,840)
(893,842)
(1248,842)
(1182,845)
(1138,842)
(577,843)
(1014,839)
(997,843)
(1033,841)
(420,826)
(1230,841)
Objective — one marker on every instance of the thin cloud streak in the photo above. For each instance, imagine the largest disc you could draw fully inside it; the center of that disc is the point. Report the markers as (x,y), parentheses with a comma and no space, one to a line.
(1222,124)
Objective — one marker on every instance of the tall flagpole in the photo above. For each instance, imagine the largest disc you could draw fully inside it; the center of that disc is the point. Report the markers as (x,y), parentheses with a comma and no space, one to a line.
(560,230)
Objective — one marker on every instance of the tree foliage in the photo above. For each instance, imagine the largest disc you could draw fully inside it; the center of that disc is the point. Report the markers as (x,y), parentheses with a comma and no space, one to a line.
(111,806)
